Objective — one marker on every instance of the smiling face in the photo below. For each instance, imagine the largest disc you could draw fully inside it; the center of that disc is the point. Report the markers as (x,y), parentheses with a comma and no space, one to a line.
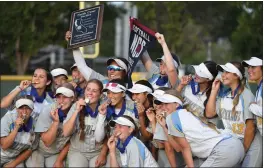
(24,112)
(76,75)
(40,79)
(199,79)
(169,107)
(229,78)
(116,98)
(92,92)
(255,73)
(124,130)
(59,80)
(63,101)
(139,97)
(114,74)
(163,68)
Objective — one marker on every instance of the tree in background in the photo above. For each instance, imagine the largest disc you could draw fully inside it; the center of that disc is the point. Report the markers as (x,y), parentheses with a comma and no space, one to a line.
(28,26)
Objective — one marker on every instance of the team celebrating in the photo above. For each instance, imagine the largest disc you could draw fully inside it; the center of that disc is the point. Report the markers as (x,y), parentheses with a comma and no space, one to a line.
(162,121)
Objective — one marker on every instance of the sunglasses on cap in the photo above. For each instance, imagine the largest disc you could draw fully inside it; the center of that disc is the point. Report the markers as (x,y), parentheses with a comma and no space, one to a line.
(114,68)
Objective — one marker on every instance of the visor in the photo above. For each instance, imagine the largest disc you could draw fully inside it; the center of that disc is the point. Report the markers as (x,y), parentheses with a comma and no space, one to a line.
(74,65)
(157,93)
(118,61)
(65,91)
(59,71)
(163,59)
(254,61)
(202,71)
(228,67)
(122,121)
(114,87)
(27,102)
(138,88)
(167,98)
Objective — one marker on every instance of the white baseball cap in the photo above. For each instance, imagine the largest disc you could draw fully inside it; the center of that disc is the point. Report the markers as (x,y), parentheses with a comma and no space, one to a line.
(139,88)
(254,61)
(228,67)
(27,102)
(119,62)
(168,97)
(59,71)
(202,71)
(65,91)
(122,121)
(114,87)
(176,60)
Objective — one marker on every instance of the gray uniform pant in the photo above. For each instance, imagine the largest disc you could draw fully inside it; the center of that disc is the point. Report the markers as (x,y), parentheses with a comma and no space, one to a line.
(78,159)
(38,159)
(227,153)
(164,162)
(253,157)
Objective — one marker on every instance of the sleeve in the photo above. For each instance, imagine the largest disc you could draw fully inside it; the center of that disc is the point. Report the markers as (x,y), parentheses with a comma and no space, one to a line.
(256,109)
(174,125)
(149,160)
(218,106)
(159,133)
(5,125)
(100,129)
(70,113)
(133,158)
(86,71)
(153,70)
(248,97)
(44,120)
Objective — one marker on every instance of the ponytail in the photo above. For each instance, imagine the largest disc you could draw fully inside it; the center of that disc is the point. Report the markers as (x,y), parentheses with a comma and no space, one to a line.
(242,84)
(82,125)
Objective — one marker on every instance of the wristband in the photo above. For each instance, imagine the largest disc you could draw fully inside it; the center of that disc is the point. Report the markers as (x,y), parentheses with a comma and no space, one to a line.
(20,88)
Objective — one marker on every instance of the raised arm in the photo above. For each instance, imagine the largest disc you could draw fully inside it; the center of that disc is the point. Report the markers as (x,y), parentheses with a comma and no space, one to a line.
(171,70)
(86,71)
(210,110)
(8,99)
(146,60)
(8,141)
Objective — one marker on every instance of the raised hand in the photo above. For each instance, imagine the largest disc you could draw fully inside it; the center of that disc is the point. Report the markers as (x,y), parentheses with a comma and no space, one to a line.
(216,84)
(103,107)
(68,36)
(112,143)
(150,114)
(24,84)
(140,108)
(54,115)
(160,38)
(161,120)
(186,80)
(80,104)
(18,123)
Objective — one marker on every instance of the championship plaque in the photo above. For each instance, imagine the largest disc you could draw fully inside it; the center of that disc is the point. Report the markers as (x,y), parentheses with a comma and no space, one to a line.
(85,26)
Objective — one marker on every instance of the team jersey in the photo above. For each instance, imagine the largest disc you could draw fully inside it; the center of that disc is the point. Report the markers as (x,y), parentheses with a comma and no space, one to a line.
(89,144)
(38,107)
(200,137)
(195,103)
(23,141)
(137,155)
(235,122)
(256,109)
(43,124)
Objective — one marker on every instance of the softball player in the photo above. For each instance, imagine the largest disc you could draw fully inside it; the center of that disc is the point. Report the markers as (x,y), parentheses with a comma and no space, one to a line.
(60,76)
(166,74)
(86,126)
(38,88)
(233,108)
(255,68)
(116,67)
(18,139)
(53,145)
(195,137)
(166,155)
(197,91)
(133,152)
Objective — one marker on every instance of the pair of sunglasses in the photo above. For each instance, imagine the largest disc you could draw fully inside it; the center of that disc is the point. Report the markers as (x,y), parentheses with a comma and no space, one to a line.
(114,68)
